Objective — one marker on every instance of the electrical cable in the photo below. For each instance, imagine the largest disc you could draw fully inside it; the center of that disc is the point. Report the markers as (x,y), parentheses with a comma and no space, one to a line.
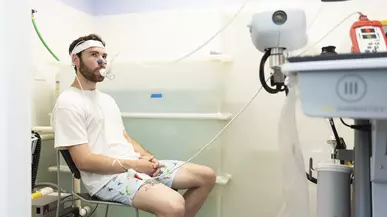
(362,127)
(342,121)
(329,32)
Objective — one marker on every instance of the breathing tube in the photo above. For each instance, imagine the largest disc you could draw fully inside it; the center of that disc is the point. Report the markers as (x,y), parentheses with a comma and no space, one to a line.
(279,87)
(33,11)
(36,158)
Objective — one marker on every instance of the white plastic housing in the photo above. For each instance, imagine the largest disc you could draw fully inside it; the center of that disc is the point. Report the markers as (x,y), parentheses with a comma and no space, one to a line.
(290,35)
(348,87)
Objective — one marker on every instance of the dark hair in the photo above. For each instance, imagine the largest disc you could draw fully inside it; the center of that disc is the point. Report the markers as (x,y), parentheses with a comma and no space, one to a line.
(82,39)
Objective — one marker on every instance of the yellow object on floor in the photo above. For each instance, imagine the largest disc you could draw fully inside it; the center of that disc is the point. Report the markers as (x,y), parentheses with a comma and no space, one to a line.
(42,192)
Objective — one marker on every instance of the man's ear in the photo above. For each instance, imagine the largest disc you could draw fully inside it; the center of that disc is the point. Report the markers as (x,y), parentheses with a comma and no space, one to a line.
(75,60)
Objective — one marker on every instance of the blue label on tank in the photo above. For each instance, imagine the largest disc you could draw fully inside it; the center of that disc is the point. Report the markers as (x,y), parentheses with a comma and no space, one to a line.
(157,95)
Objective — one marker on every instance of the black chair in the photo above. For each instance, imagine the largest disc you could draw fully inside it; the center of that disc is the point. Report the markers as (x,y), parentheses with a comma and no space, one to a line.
(84,196)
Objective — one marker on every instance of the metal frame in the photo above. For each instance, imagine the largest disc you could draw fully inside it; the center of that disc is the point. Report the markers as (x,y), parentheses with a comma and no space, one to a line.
(85,197)
(370,178)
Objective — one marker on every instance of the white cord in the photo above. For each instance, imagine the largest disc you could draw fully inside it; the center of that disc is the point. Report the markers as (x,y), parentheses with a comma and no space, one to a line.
(119,162)
(329,32)
(315,18)
(216,136)
(202,45)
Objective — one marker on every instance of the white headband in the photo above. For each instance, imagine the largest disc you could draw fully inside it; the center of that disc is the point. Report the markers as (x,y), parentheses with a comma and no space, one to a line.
(85,45)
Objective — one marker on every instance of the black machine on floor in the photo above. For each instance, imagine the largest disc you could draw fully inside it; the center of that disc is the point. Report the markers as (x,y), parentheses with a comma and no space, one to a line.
(46,205)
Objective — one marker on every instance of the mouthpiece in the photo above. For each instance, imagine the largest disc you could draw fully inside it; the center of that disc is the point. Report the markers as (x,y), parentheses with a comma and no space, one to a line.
(102,72)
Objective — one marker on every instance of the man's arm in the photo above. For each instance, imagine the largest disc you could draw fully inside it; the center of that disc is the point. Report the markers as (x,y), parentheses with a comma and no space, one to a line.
(94,163)
(137,147)
(70,133)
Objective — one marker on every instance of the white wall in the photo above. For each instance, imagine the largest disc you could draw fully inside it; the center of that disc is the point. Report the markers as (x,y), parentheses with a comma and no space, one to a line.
(59,24)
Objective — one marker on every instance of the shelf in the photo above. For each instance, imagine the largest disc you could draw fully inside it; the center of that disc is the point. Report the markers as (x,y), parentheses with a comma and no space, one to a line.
(223,180)
(176,115)
(194,116)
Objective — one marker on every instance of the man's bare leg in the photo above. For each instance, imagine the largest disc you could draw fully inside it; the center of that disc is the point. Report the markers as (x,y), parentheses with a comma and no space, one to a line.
(199,180)
(159,200)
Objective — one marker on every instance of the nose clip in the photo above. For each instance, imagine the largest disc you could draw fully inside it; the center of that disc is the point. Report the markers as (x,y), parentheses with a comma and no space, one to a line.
(99,62)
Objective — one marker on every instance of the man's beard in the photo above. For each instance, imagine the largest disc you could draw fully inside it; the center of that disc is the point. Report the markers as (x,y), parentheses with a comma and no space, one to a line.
(90,74)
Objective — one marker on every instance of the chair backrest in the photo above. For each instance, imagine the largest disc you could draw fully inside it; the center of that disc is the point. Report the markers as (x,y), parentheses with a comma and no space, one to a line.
(70,163)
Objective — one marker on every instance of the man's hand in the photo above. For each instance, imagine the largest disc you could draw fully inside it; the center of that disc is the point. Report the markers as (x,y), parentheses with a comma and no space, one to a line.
(157,164)
(142,166)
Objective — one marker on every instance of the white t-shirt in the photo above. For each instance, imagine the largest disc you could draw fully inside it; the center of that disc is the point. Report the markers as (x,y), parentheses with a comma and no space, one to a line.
(93,118)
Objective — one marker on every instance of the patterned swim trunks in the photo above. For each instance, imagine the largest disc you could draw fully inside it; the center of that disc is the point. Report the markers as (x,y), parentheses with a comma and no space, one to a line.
(122,188)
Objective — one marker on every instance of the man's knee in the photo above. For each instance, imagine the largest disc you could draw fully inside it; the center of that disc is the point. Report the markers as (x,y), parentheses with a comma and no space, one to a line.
(208,175)
(160,200)
(175,206)
(203,175)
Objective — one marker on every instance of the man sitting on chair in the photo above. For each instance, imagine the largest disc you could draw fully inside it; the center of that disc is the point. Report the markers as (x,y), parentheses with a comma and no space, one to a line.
(88,124)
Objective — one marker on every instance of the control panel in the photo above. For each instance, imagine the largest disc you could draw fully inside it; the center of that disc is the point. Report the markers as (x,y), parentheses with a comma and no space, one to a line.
(371,39)
(368,36)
